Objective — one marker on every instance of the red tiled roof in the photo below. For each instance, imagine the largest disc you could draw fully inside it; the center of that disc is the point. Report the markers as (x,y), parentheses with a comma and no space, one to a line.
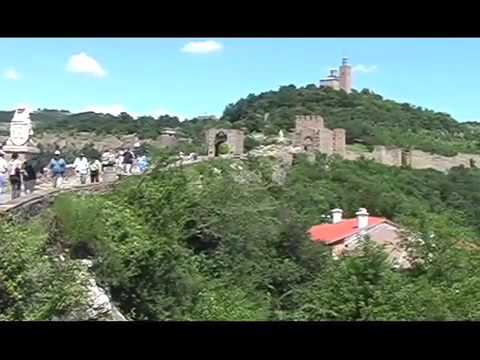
(329,233)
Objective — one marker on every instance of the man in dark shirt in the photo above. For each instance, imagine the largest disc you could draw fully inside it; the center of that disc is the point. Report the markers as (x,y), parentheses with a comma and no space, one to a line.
(29,177)
(128,161)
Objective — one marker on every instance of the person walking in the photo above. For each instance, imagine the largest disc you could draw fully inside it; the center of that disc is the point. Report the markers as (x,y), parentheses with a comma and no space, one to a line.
(29,177)
(3,172)
(142,164)
(128,158)
(119,162)
(14,170)
(108,159)
(57,166)
(81,166)
(95,170)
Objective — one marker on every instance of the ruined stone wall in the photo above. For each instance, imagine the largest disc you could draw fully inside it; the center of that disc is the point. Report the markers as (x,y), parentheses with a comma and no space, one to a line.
(387,156)
(339,143)
(418,159)
(235,139)
(326,141)
(423,160)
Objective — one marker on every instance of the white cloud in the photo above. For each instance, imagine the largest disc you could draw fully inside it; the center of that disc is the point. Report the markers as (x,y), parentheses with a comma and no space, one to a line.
(364,68)
(82,63)
(105,109)
(11,74)
(202,47)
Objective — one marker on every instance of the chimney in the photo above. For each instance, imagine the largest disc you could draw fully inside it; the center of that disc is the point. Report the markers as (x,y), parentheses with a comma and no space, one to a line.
(362,218)
(336,215)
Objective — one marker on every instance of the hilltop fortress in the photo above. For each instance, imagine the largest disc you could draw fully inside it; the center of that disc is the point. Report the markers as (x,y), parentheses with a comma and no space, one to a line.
(339,82)
(310,135)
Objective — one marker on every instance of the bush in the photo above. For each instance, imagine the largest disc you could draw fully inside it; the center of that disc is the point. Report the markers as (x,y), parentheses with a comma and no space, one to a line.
(224,149)
(250,143)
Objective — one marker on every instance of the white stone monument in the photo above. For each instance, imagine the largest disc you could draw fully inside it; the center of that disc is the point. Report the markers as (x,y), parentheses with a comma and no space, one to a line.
(21,131)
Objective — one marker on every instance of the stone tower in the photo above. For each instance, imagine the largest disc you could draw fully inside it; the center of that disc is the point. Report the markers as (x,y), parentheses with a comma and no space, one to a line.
(346,76)
(310,134)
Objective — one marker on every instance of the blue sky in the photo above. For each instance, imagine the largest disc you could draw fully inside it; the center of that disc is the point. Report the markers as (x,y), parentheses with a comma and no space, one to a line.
(190,77)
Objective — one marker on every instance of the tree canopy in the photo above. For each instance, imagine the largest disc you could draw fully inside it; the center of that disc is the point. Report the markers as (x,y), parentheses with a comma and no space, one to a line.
(220,241)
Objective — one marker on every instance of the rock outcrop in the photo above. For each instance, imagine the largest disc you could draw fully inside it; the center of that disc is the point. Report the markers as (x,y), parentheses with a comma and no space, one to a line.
(98,306)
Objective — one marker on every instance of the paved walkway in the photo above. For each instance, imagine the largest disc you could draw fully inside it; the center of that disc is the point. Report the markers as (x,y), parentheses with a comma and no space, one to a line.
(45,187)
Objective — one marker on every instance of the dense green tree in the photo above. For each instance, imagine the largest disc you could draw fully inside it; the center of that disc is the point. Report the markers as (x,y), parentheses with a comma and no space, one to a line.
(219,241)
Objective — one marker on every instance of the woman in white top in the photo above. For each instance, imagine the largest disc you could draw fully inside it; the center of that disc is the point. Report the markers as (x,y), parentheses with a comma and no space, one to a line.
(14,170)
(82,166)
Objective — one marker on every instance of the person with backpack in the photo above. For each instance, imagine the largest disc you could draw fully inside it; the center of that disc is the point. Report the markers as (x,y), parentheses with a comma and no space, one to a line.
(57,166)
(29,177)
(95,169)
(81,166)
(15,170)
(128,158)
(3,172)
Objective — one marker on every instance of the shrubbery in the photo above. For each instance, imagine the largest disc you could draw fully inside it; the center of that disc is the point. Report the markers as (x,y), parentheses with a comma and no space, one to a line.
(216,241)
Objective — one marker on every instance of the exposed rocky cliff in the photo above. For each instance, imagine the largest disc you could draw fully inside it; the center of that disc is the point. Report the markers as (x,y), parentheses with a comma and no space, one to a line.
(98,305)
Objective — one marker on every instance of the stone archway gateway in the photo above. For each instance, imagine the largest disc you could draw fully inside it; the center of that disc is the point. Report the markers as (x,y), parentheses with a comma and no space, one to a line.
(220,139)
(234,138)
(308,143)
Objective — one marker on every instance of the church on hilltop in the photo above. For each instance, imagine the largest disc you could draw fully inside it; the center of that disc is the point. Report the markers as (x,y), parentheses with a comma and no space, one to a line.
(342,81)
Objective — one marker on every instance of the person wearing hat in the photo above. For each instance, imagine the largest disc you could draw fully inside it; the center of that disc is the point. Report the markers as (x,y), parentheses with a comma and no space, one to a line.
(82,166)
(3,172)
(57,167)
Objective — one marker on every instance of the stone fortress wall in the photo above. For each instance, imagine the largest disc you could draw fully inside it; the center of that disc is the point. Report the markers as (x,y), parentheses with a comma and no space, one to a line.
(311,134)
(416,159)
(232,137)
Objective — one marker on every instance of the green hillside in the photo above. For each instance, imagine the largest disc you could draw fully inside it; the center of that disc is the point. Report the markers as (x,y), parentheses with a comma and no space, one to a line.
(367,117)
(56,121)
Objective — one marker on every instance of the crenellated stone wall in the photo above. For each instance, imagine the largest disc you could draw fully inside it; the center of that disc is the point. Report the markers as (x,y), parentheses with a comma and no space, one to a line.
(311,134)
